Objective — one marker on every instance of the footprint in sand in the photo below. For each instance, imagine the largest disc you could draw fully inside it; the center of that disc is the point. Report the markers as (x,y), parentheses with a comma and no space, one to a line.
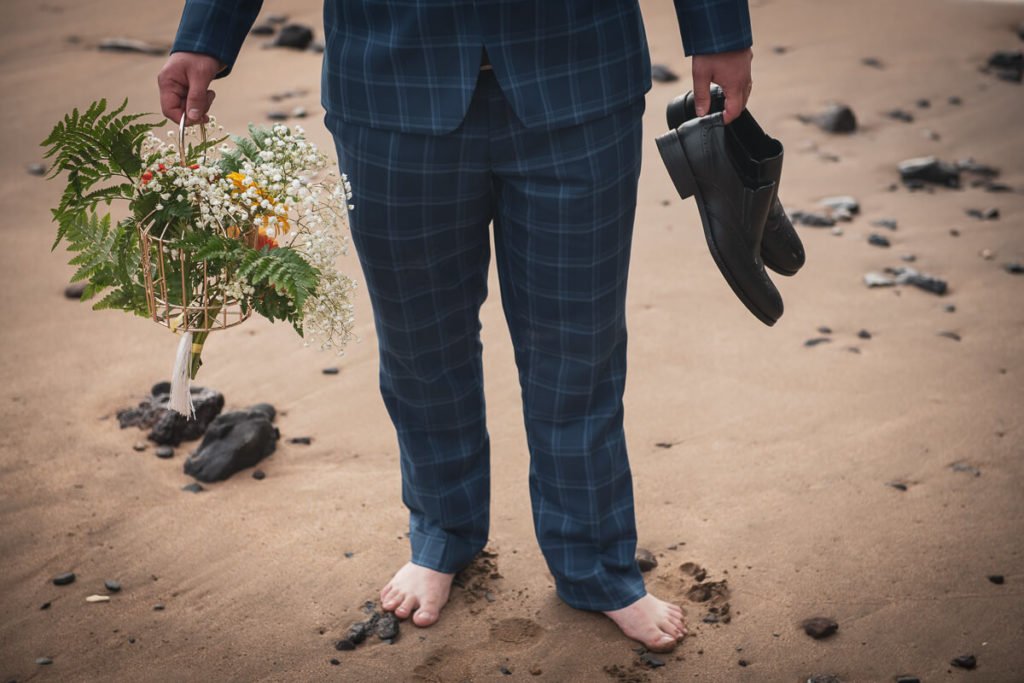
(516,631)
(690,582)
(443,665)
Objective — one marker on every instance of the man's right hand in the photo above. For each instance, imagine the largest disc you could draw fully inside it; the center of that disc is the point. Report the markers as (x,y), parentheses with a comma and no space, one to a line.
(184,86)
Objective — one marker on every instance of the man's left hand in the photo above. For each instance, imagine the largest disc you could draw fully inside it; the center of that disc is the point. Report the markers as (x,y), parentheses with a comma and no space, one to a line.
(730,70)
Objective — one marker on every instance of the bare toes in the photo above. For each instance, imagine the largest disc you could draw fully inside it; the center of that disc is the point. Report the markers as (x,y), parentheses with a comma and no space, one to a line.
(406,608)
(393,600)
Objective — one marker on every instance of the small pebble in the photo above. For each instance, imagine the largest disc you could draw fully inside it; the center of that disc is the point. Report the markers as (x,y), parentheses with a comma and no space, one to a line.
(950,308)
(301,440)
(74,291)
(817,340)
(277,115)
(536,670)
(954,232)
(873,62)
(743,662)
(997,579)
(98,598)
(651,661)
(889,223)
(335,662)
(987,254)
(879,240)
(259,475)
(344,645)
(965,662)
(1014,268)
(898,485)
(164,452)
(961,466)
(158,607)
(923,103)
(955,101)
(299,112)
(112,586)
(330,371)
(140,445)
(64,579)
(950,335)
(505,671)
(820,627)
(864,334)
(825,330)
(43,661)
(645,559)
(36,169)
(194,487)
(662,74)
(45,605)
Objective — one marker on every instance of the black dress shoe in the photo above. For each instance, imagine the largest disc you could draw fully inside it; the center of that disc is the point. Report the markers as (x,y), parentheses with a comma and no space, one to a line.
(733,196)
(781,248)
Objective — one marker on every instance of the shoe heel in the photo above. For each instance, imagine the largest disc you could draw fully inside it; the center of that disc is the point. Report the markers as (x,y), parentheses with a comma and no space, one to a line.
(671,150)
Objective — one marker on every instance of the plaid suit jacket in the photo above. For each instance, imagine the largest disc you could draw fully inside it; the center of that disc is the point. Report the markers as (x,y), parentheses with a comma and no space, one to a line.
(412,65)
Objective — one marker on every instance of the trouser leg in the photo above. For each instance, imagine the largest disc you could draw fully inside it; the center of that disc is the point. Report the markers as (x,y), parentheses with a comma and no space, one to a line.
(420,228)
(565,204)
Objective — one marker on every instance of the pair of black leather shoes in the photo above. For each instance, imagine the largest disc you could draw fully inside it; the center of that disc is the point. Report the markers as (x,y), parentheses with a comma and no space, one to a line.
(733,172)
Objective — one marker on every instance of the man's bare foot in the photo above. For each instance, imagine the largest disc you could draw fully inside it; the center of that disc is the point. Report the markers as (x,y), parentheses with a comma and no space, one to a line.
(655,623)
(418,591)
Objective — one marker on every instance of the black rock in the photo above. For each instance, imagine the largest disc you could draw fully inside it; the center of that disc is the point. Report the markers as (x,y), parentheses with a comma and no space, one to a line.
(879,240)
(837,118)
(986,215)
(1007,64)
(358,631)
(330,371)
(112,586)
(167,426)
(779,49)
(961,466)
(888,223)
(908,679)
(954,232)
(743,662)
(929,170)
(74,291)
(909,276)
(864,334)
(295,36)
(265,408)
(387,626)
(334,661)
(233,441)
(817,340)
(36,169)
(949,335)
(262,30)
(164,452)
(505,671)
(1014,268)
(950,308)
(819,627)
(651,661)
(900,115)
(965,662)
(662,74)
(923,103)
(812,220)
(898,485)
(955,101)
(43,661)
(997,579)
(301,440)
(158,607)
(971,166)
(259,475)
(873,62)
(45,605)
(344,645)
(194,487)
(645,559)
(824,329)
(277,116)
(64,579)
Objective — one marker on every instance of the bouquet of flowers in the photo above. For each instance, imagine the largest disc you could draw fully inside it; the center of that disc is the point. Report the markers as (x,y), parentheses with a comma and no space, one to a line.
(212,231)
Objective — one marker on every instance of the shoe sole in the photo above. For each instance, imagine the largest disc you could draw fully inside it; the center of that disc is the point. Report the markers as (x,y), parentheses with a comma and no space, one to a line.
(678,165)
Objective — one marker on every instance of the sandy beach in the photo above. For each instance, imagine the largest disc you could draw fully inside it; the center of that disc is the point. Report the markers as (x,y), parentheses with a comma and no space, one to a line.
(805,480)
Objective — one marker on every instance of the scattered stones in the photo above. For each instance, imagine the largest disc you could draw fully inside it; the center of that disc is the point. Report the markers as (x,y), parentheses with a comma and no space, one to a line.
(301,440)
(819,627)
(74,291)
(873,62)
(986,215)
(98,598)
(44,661)
(961,466)
(887,223)
(662,74)
(908,276)
(1007,65)
(168,427)
(841,203)
(898,485)
(877,240)
(864,334)
(929,170)
(949,335)
(900,115)
(965,662)
(194,487)
(387,626)
(131,45)
(997,579)
(262,30)
(294,36)
(64,579)
(651,660)
(645,559)
(836,118)
(817,340)
(812,220)
(1014,268)
(330,371)
(164,452)
(36,169)
(112,585)
(233,441)
(259,475)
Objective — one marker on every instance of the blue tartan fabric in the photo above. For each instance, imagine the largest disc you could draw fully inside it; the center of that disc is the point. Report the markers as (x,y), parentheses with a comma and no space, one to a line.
(411,65)
(562,204)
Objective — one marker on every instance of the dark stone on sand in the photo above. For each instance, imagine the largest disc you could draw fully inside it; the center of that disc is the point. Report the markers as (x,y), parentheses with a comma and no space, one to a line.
(908,679)
(1014,268)
(651,660)
(277,116)
(1008,64)
(864,334)
(233,442)
(812,220)
(36,169)
(817,340)
(986,215)
(841,203)
(780,49)
(662,74)
(710,619)
(950,308)
(819,627)
(262,30)
(824,329)
(836,118)
(949,335)
(873,62)
(929,170)
(888,223)
(505,671)
(997,579)
(259,475)
(334,661)
(743,662)
(301,440)
(330,371)
(898,485)
(879,240)
(45,605)
(961,466)
(64,579)
(387,626)
(965,662)
(923,103)
(268,410)
(194,487)
(900,115)
(112,585)
(74,291)
(358,631)
(131,45)
(954,232)
(645,559)
(955,101)
(158,607)
(167,426)
(344,645)
(43,661)
(909,276)
(295,36)
(140,446)
(971,166)
(164,452)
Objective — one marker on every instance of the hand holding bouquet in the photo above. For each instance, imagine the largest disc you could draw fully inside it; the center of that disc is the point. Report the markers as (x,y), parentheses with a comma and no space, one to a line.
(213,231)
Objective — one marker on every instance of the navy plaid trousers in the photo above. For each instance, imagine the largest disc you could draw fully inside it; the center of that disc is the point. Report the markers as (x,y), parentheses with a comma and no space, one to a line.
(562,204)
